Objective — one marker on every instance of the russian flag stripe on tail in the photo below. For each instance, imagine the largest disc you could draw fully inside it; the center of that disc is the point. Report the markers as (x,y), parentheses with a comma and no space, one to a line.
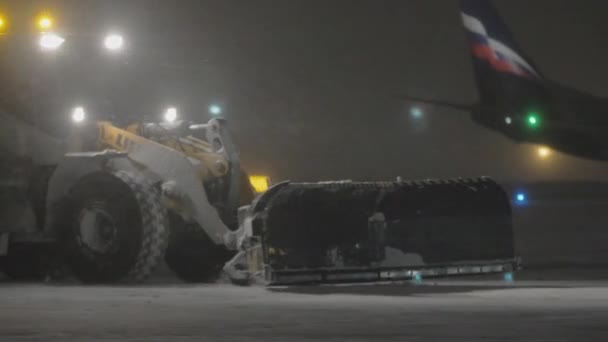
(492,42)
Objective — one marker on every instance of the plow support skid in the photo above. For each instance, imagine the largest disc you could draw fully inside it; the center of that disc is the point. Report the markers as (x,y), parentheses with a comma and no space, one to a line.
(349,232)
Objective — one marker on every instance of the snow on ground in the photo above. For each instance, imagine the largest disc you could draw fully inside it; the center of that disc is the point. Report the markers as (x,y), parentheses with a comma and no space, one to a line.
(454,310)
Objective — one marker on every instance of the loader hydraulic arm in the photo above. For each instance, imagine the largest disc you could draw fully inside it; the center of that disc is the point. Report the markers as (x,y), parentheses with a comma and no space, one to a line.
(182,164)
(112,137)
(210,165)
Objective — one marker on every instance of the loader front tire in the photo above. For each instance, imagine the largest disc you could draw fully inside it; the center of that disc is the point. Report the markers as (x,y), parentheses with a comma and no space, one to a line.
(117,228)
(192,255)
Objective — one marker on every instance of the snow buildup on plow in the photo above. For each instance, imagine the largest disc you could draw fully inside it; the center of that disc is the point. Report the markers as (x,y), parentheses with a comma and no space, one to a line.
(396,258)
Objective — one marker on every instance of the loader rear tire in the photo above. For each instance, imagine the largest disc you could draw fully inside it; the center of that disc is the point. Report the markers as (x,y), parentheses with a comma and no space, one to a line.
(192,255)
(117,228)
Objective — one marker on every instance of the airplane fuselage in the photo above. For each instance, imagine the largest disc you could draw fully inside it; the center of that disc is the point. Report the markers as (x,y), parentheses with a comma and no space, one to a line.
(571,122)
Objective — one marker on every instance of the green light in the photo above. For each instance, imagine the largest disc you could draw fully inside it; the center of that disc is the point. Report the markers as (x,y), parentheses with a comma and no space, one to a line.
(533,120)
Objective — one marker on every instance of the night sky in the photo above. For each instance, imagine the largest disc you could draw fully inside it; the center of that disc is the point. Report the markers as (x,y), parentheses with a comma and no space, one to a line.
(307,86)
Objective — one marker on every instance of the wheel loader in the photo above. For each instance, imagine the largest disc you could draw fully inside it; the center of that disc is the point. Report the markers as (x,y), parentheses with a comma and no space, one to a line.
(125,197)
(120,200)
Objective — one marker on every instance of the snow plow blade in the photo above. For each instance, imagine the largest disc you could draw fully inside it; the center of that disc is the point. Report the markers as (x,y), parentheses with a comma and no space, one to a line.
(365,232)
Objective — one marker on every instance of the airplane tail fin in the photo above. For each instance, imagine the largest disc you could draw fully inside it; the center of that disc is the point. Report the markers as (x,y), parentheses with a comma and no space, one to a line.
(502,69)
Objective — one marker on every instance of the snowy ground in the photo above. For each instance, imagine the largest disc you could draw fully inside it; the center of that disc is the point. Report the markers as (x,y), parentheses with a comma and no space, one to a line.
(537,308)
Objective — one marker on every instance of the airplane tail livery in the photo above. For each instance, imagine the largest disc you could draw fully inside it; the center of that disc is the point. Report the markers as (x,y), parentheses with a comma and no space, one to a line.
(502,69)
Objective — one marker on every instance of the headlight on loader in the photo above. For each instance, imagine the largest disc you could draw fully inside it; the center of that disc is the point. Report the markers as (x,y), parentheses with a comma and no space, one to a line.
(78,115)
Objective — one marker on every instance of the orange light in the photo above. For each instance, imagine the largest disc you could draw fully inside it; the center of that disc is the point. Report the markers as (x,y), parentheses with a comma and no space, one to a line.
(260,183)
(544,152)
(3,24)
(45,22)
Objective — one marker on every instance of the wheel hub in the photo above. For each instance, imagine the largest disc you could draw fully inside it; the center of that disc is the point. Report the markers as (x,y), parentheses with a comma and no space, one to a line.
(97,228)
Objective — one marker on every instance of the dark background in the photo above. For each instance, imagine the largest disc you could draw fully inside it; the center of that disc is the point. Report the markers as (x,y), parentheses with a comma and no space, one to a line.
(307,85)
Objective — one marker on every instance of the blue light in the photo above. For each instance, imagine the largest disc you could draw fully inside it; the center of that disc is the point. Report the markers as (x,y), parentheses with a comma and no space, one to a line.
(508,277)
(417,278)
(416,112)
(520,197)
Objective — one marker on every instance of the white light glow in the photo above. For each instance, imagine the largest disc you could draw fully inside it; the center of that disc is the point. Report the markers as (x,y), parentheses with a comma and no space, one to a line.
(114,42)
(215,110)
(78,114)
(416,112)
(50,41)
(171,114)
